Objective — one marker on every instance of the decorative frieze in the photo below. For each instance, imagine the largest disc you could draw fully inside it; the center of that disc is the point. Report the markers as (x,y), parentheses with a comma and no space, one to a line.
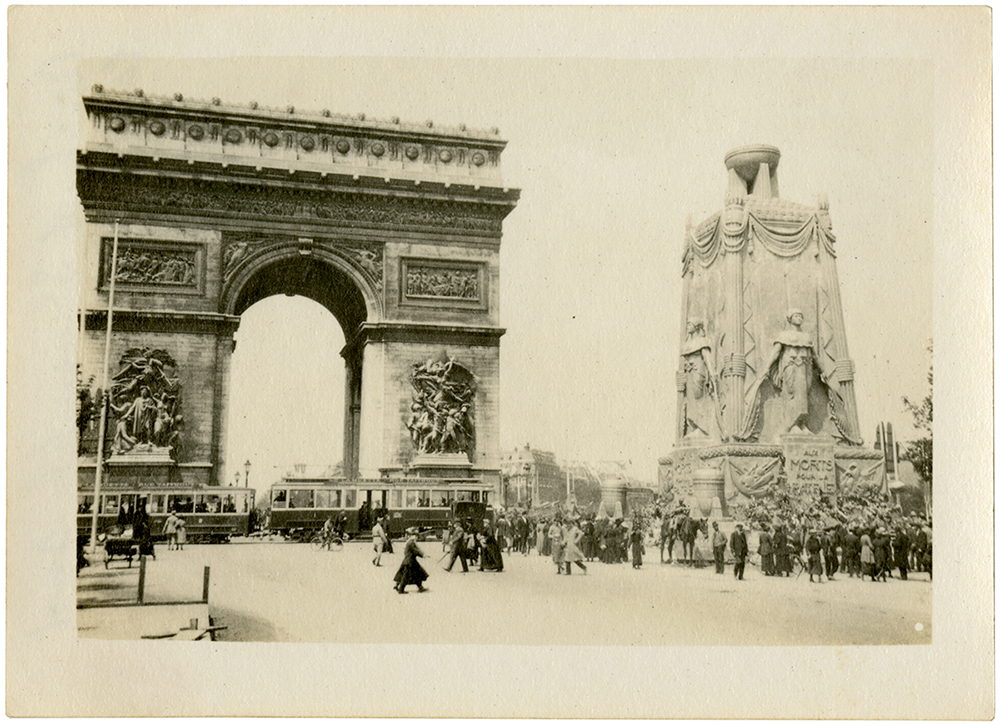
(162,265)
(165,196)
(459,284)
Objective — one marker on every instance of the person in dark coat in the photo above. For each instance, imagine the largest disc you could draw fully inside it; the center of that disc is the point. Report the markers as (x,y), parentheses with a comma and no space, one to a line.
(738,545)
(410,571)
(782,559)
(635,538)
(492,555)
(766,550)
(902,551)
(852,553)
(881,551)
(830,552)
(457,540)
(814,545)
(142,530)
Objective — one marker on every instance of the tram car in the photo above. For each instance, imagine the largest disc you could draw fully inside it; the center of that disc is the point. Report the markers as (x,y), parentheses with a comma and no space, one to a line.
(211,514)
(300,507)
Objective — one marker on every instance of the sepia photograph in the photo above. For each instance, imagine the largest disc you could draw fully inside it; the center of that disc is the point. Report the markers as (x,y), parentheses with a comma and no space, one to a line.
(418,347)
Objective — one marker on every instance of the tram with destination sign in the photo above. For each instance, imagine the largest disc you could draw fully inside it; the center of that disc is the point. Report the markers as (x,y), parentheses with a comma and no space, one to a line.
(211,514)
(300,507)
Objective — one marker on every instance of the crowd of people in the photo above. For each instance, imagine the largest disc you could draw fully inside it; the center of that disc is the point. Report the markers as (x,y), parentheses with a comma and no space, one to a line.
(870,550)
(570,540)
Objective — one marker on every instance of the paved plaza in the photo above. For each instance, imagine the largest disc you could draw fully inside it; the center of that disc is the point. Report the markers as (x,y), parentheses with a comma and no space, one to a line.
(276,591)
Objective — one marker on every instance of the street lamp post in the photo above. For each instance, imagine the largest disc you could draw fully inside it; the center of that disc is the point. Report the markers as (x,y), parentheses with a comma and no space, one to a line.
(246,475)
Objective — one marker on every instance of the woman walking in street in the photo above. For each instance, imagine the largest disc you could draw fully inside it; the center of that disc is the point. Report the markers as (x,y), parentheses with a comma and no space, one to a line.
(867,557)
(635,538)
(410,571)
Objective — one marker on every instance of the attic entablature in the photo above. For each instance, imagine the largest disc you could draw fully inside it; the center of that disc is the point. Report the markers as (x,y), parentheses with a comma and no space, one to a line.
(135,125)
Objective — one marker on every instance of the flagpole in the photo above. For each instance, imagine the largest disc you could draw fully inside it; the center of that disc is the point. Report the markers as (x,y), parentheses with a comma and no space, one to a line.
(105,397)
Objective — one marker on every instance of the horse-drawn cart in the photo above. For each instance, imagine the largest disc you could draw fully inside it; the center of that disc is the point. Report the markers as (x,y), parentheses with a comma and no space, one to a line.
(120,544)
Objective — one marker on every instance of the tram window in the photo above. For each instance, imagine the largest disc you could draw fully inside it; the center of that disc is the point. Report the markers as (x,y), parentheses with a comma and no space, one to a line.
(463,496)
(127,503)
(322,498)
(475,496)
(300,499)
(110,506)
(350,498)
(423,498)
(157,504)
(335,498)
(396,499)
(243,502)
(440,498)
(84,503)
(280,499)
(207,504)
(486,496)
(181,503)
(228,504)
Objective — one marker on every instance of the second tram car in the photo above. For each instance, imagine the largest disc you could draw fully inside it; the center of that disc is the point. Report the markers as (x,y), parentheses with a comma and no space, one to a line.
(299,507)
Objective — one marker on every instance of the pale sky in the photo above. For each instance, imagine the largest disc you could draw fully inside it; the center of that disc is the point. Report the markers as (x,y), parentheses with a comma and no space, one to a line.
(611,156)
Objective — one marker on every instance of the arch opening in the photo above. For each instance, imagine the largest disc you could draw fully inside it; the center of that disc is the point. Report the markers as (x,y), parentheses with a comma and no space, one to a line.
(308,277)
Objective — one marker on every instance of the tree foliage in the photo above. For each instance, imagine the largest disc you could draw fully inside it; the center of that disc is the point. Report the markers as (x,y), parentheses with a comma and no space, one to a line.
(86,408)
(920,452)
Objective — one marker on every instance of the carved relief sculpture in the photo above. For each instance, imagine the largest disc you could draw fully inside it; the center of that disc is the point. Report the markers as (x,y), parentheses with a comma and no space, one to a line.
(793,370)
(139,265)
(422,281)
(145,396)
(697,382)
(441,419)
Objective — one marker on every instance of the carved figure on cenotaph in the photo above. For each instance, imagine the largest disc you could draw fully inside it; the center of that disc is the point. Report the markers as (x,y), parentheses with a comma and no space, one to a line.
(697,382)
(793,370)
(441,412)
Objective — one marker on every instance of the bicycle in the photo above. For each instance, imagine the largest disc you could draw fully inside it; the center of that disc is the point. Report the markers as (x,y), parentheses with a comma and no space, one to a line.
(331,542)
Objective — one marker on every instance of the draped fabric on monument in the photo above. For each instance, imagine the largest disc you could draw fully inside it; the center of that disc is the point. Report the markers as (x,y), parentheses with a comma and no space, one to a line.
(763,355)
(754,230)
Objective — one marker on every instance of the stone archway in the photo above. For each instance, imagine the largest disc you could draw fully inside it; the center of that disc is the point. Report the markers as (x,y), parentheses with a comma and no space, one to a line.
(395,229)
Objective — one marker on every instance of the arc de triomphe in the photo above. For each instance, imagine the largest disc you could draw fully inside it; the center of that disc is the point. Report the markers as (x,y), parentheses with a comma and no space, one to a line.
(394,228)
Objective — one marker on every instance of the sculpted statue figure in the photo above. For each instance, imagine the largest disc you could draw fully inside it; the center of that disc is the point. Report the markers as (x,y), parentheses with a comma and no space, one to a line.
(139,417)
(147,401)
(440,418)
(793,370)
(698,383)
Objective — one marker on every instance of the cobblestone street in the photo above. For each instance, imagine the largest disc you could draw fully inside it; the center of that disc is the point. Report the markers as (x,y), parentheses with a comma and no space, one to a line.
(287,592)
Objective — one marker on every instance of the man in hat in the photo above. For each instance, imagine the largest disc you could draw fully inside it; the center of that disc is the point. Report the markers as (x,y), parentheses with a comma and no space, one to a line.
(813,547)
(766,550)
(718,547)
(738,545)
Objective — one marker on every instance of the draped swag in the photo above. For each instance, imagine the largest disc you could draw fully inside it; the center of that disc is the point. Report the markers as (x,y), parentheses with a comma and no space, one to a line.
(780,242)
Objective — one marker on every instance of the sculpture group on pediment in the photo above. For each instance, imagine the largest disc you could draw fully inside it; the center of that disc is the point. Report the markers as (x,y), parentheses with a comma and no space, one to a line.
(698,385)
(139,265)
(145,397)
(441,419)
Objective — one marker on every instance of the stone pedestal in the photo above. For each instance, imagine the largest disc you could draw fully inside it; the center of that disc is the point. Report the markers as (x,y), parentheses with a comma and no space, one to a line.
(443,465)
(810,463)
(613,499)
(142,468)
(709,490)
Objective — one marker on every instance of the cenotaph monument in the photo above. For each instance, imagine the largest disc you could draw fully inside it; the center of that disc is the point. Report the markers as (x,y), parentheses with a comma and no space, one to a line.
(765,383)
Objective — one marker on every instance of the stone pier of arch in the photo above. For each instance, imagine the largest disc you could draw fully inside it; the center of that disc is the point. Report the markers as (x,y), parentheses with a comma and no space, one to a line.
(394,228)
